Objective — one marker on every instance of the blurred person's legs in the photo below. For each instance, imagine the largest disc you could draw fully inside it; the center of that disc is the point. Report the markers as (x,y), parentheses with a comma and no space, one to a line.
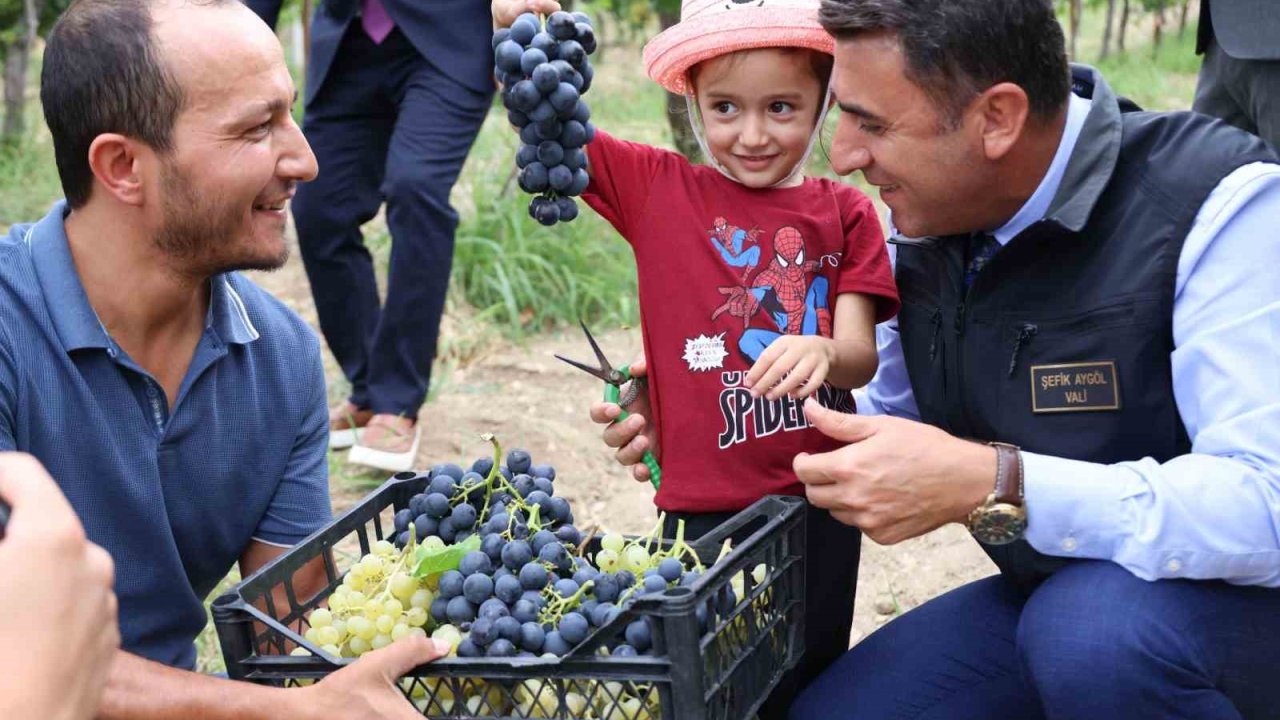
(1244,93)
(387,125)
(349,127)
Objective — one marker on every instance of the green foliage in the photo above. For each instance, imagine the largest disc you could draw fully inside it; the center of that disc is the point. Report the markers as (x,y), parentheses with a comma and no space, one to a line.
(525,278)
(11,14)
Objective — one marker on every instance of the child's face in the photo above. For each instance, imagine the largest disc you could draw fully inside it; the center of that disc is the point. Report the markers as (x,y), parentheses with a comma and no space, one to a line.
(759,109)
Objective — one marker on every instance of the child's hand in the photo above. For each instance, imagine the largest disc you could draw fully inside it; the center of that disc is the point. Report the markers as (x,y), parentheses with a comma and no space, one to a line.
(633,436)
(792,364)
(505,12)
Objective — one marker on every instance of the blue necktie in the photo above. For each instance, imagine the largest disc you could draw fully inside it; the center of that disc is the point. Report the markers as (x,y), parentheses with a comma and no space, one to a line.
(982,247)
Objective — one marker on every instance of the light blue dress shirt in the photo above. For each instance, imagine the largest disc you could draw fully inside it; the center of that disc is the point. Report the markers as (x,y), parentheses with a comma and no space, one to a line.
(1213,513)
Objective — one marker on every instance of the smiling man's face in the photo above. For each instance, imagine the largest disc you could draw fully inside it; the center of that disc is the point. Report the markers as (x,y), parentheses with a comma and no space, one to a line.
(931,170)
(237,154)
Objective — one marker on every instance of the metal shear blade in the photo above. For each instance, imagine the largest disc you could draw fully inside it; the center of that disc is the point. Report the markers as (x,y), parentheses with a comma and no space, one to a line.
(605,371)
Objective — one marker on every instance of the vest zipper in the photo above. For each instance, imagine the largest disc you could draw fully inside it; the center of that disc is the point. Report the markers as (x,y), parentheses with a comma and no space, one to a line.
(936,321)
(959,385)
(1025,333)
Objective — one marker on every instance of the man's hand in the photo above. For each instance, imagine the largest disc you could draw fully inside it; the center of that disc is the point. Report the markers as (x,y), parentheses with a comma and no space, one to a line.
(368,687)
(631,436)
(896,479)
(794,365)
(58,621)
(505,12)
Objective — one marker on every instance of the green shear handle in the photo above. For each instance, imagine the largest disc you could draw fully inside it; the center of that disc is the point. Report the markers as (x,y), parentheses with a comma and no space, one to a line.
(613,394)
(614,379)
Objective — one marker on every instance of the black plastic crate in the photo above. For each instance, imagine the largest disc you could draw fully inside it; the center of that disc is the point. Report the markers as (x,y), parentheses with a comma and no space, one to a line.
(723,674)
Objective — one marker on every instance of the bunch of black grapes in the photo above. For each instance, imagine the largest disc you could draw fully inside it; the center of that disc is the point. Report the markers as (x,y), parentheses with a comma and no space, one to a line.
(545,72)
(525,592)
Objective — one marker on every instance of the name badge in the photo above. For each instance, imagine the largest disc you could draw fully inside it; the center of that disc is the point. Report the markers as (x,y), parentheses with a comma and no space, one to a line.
(1074,387)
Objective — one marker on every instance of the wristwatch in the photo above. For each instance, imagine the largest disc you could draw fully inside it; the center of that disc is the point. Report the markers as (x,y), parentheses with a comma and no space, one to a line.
(1001,519)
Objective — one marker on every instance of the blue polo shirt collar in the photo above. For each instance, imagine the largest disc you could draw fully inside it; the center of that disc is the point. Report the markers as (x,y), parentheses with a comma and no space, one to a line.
(75,320)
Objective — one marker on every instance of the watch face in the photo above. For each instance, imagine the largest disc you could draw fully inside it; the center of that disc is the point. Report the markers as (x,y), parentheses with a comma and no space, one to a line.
(999,524)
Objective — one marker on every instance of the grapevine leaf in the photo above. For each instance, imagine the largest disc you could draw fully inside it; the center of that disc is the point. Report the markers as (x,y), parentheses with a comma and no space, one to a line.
(433,562)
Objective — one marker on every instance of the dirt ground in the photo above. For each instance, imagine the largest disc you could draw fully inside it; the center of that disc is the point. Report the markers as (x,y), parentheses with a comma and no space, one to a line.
(529,399)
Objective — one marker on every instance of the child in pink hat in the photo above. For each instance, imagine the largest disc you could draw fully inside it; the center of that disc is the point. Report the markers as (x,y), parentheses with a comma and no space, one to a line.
(759,286)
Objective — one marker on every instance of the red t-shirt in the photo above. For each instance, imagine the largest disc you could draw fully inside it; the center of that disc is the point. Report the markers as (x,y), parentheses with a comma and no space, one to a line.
(723,270)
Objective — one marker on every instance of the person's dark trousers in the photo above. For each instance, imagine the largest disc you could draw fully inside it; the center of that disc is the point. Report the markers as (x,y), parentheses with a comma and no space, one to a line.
(1093,641)
(385,125)
(1245,93)
(832,550)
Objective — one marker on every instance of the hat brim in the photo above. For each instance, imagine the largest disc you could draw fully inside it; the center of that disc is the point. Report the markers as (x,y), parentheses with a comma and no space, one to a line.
(670,54)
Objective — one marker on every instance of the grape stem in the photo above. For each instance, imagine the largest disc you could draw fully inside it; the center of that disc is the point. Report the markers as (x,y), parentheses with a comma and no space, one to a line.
(557,606)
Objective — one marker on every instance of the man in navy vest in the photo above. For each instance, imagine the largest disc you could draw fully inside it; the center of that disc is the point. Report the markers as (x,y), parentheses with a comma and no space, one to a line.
(396,91)
(1095,290)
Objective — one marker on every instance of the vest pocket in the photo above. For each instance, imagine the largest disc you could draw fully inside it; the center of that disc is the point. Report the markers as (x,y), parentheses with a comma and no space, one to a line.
(1071,373)
(928,378)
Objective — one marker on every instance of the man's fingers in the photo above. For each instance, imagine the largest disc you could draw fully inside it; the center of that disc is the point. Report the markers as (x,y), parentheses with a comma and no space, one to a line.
(825,496)
(813,469)
(845,517)
(37,503)
(838,425)
(101,566)
(403,655)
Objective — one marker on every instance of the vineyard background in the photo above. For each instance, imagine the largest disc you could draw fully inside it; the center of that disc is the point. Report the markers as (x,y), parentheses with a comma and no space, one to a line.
(518,289)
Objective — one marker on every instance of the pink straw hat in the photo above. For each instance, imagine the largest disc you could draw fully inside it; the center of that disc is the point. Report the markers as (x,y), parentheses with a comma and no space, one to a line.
(709,28)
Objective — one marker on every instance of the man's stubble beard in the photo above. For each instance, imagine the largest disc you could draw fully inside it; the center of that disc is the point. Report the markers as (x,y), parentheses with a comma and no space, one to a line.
(197,233)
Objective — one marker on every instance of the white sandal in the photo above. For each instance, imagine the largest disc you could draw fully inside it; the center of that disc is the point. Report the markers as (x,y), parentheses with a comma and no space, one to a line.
(384,459)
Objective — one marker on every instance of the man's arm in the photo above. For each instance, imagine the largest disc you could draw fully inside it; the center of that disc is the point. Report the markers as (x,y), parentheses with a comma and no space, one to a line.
(1214,513)
(139,689)
(889,392)
(143,689)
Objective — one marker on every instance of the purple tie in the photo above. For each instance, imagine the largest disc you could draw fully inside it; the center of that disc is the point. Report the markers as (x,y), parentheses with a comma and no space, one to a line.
(377,23)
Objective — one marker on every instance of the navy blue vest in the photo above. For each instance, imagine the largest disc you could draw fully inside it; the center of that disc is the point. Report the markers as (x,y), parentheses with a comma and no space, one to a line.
(1061,346)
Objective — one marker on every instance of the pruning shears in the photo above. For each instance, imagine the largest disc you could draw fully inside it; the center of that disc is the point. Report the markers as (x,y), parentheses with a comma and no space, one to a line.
(614,379)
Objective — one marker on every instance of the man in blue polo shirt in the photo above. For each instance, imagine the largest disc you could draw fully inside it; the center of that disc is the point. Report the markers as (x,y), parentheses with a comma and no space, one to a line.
(180,407)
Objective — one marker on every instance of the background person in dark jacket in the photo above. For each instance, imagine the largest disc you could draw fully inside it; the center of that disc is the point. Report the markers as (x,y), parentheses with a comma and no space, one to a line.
(396,91)
(1240,78)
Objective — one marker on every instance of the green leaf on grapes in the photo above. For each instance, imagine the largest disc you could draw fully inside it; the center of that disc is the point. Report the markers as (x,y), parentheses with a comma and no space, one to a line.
(433,562)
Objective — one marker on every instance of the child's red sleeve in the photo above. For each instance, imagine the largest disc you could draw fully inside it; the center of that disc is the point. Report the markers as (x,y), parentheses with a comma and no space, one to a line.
(865,266)
(622,175)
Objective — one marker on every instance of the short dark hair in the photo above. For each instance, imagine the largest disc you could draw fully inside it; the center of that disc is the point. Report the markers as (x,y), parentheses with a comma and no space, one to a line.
(103,74)
(956,49)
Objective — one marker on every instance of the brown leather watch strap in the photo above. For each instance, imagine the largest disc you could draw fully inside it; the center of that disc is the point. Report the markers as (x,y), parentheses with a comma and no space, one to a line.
(1008,473)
